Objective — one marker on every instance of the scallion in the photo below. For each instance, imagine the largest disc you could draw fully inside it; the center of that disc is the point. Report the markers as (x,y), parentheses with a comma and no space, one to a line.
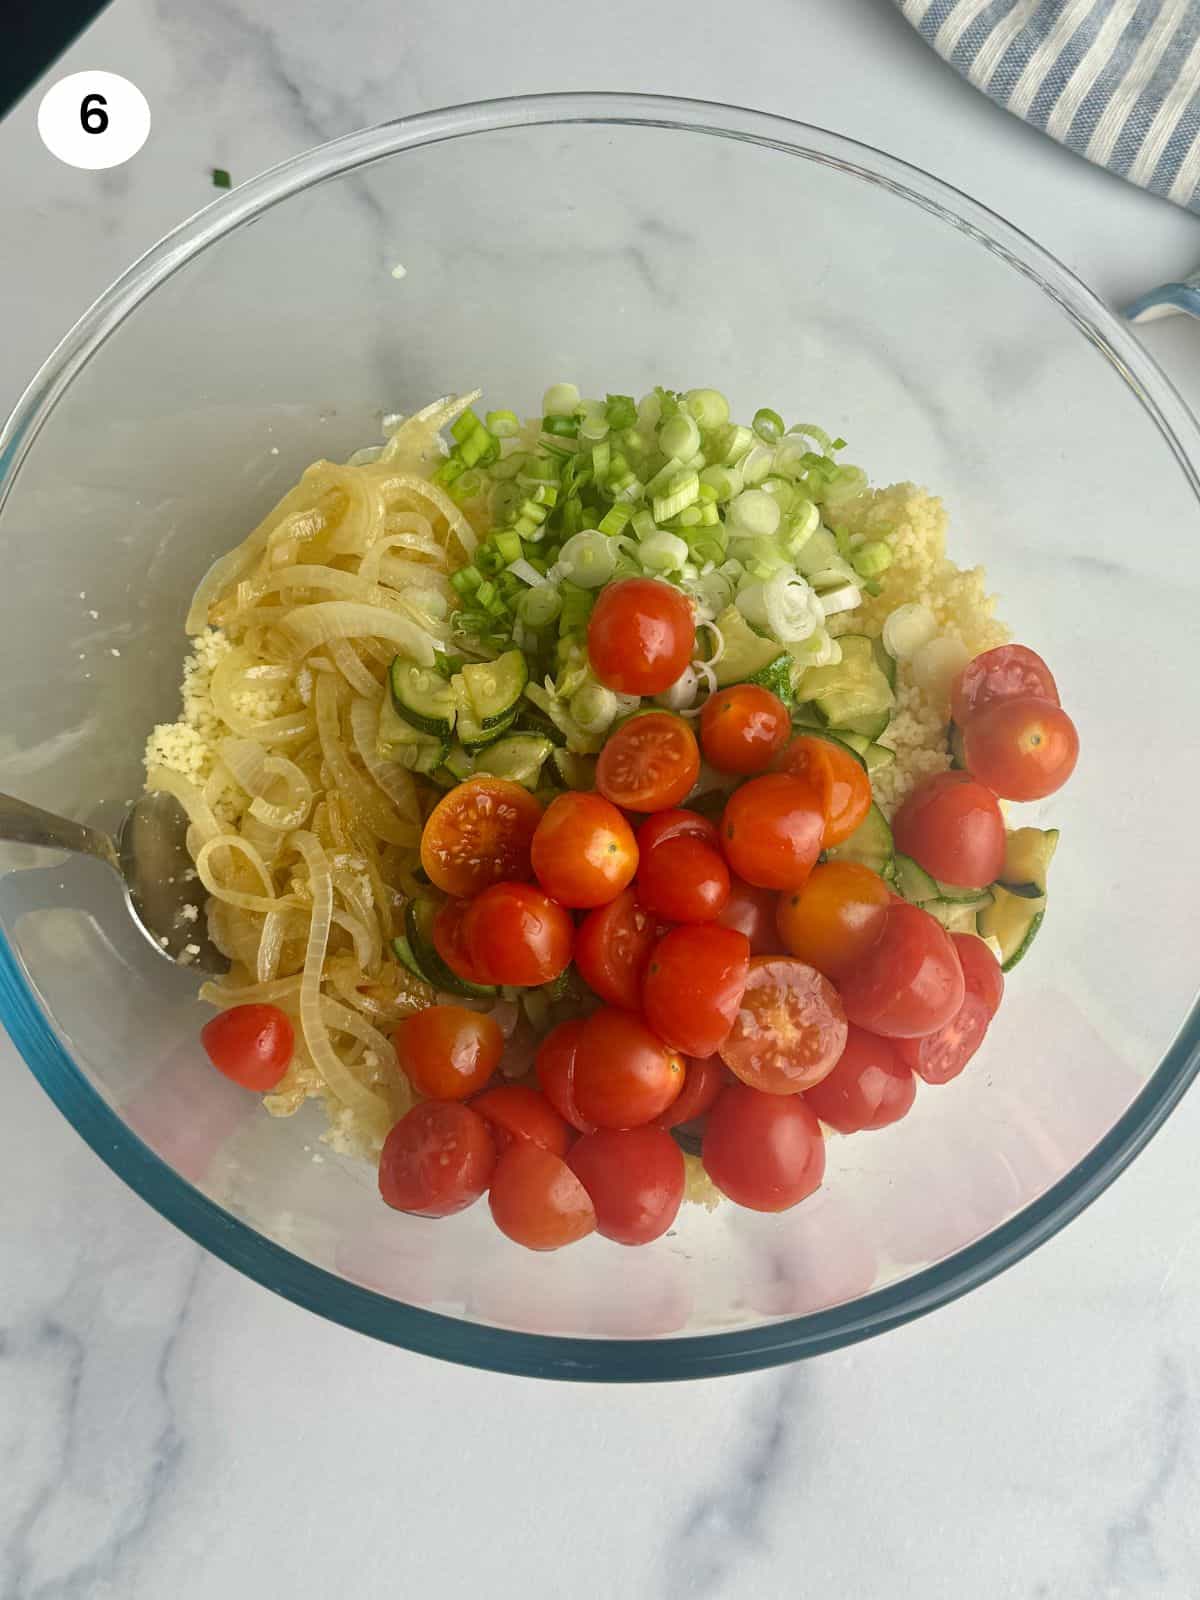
(615,520)
(679,436)
(709,407)
(620,410)
(681,491)
(560,400)
(768,425)
(503,424)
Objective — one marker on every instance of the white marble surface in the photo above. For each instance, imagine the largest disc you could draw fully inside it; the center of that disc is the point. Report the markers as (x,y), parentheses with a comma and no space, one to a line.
(166,1427)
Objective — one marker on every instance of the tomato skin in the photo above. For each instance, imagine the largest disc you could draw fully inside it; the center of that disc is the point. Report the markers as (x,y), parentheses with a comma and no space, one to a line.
(910,982)
(790,1029)
(694,985)
(624,1074)
(683,880)
(701,1086)
(771,831)
(448,1052)
(952,826)
(836,918)
(437,1160)
(583,852)
(765,1151)
(515,1111)
(839,779)
(251,1045)
(870,1087)
(450,944)
(635,1177)
(650,763)
(515,934)
(555,1068)
(1024,749)
(751,911)
(537,1200)
(660,826)
(480,832)
(641,636)
(981,970)
(612,950)
(1001,674)
(742,728)
(940,1056)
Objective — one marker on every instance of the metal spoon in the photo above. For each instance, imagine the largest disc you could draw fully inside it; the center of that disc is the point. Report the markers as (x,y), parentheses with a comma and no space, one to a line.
(150,857)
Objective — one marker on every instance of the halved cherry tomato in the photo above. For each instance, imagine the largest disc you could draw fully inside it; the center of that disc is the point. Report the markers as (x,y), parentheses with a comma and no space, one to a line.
(515,1111)
(515,934)
(624,1074)
(448,1052)
(870,1087)
(765,1151)
(641,636)
(981,970)
(650,763)
(437,1160)
(694,986)
(741,728)
(612,950)
(836,917)
(480,832)
(751,911)
(838,778)
(252,1045)
(635,1178)
(449,943)
(583,851)
(790,1028)
(701,1086)
(537,1200)
(663,825)
(910,982)
(683,880)
(1009,671)
(771,831)
(952,826)
(1024,749)
(940,1056)
(555,1068)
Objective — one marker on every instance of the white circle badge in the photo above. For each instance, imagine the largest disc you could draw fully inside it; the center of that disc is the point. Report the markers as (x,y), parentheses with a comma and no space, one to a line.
(93,119)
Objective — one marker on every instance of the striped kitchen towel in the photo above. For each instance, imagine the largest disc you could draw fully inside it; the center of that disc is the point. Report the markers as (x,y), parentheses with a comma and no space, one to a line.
(1117,81)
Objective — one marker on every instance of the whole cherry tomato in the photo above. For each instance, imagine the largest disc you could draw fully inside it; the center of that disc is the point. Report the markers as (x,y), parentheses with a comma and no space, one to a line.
(790,1028)
(1005,673)
(635,1178)
(624,1074)
(742,728)
(448,1052)
(515,934)
(836,917)
(870,1087)
(583,850)
(683,880)
(1023,749)
(765,1151)
(612,950)
(649,763)
(952,826)
(910,982)
(251,1044)
(694,985)
(480,832)
(437,1160)
(641,636)
(772,829)
(660,826)
(537,1200)
(838,777)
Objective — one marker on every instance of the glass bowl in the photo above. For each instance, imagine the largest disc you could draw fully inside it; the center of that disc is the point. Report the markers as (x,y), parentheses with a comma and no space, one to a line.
(617,241)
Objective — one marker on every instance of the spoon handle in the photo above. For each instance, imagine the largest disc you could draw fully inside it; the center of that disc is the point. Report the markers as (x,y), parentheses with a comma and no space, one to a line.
(21,823)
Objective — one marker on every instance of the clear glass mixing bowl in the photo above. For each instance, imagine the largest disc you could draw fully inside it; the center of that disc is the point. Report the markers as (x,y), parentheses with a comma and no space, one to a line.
(616,241)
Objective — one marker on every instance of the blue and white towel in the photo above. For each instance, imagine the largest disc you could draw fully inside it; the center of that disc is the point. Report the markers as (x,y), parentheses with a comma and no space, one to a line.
(1117,81)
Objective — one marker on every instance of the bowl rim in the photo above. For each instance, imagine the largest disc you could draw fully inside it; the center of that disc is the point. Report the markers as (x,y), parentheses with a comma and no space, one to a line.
(674,1356)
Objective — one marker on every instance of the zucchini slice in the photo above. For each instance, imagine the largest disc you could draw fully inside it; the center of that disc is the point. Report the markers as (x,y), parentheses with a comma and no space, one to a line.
(1013,921)
(399,741)
(460,762)
(1027,856)
(495,688)
(776,677)
(855,694)
(873,755)
(885,662)
(870,843)
(530,720)
(913,882)
(519,757)
(472,734)
(422,697)
(577,772)
(849,742)
(960,916)
(418,933)
(878,755)
(402,951)
(745,652)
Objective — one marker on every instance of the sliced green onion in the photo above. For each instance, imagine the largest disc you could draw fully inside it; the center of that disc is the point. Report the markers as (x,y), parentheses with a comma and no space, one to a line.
(560,400)
(768,425)
(463,427)
(755,513)
(486,593)
(710,517)
(709,407)
(539,606)
(503,424)
(659,483)
(466,580)
(559,426)
(593,424)
(757,463)
(508,542)
(615,520)
(644,525)
(601,459)
(682,490)
(594,708)
(588,559)
(576,607)
(679,436)
(489,560)
(809,430)
(450,469)
(734,443)
(871,560)
(725,482)
(663,552)
(621,411)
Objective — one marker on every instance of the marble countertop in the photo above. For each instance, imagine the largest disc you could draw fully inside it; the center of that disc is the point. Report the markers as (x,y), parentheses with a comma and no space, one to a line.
(167,1427)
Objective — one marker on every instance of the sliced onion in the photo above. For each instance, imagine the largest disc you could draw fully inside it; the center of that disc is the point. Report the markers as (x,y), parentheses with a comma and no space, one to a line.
(314,625)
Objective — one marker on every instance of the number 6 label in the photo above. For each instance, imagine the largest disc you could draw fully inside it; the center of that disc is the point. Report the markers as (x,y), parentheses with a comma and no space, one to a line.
(93,119)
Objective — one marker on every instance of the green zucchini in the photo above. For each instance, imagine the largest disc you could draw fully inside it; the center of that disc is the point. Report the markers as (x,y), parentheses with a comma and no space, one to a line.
(958,894)
(472,734)
(530,720)
(844,742)
(877,756)
(1027,856)
(1013,921)
(873,755)
(519,757)
(959,916)
(885,662)
(577,772)
(746,652)
(399,741)
(855,694)
(870,843)
(418,931)
(460,762)
(402,951)
(912,881)
(422,697)
(495,688)
(807,716)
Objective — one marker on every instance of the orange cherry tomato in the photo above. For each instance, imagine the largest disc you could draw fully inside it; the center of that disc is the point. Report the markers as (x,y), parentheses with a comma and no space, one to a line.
(741,728)
(515,1111)
(1024,749)
(1009,671)
(790,1028)
(683,880)
(953,827)
(663,825)
(870,1087)
(641,636)
(515,934)
(910,982)
(537,1200)
(479,833)
(437,1160)
(703,1083)
(694,986)
(584,852)
(836,917)
(250,1044)
(752,911)
(624,1074)
(612,950)
(449,943)
(838,777)
(555,1068)
(772,830)
(650,763)
(765,1151)
(635,1178)
(448,1052)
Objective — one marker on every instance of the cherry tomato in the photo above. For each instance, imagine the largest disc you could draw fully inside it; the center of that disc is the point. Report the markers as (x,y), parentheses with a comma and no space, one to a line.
(752,911)
(450,944)
(694,986)
(910,982)
(771,831)
(437,1160)
(624,1074)
(742,728)
(837,776)
(765,1151)
(448,1052)
(641,636)
(650,763)
(836,917)
(635,1178)
(251,1044)
(952,826)
(515,1111)
(479,833)
(683,880)
(701,1086)
(612,950)
(1023,749)
(981,970)
(1001,674)
(940,1056)
(674,824)
(870,1087)
(517,935)
(583,851)
(555,1067)
(537,1200)
(790,1028)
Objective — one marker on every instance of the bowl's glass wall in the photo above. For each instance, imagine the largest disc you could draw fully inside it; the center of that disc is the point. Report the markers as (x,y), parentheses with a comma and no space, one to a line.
(619,256)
